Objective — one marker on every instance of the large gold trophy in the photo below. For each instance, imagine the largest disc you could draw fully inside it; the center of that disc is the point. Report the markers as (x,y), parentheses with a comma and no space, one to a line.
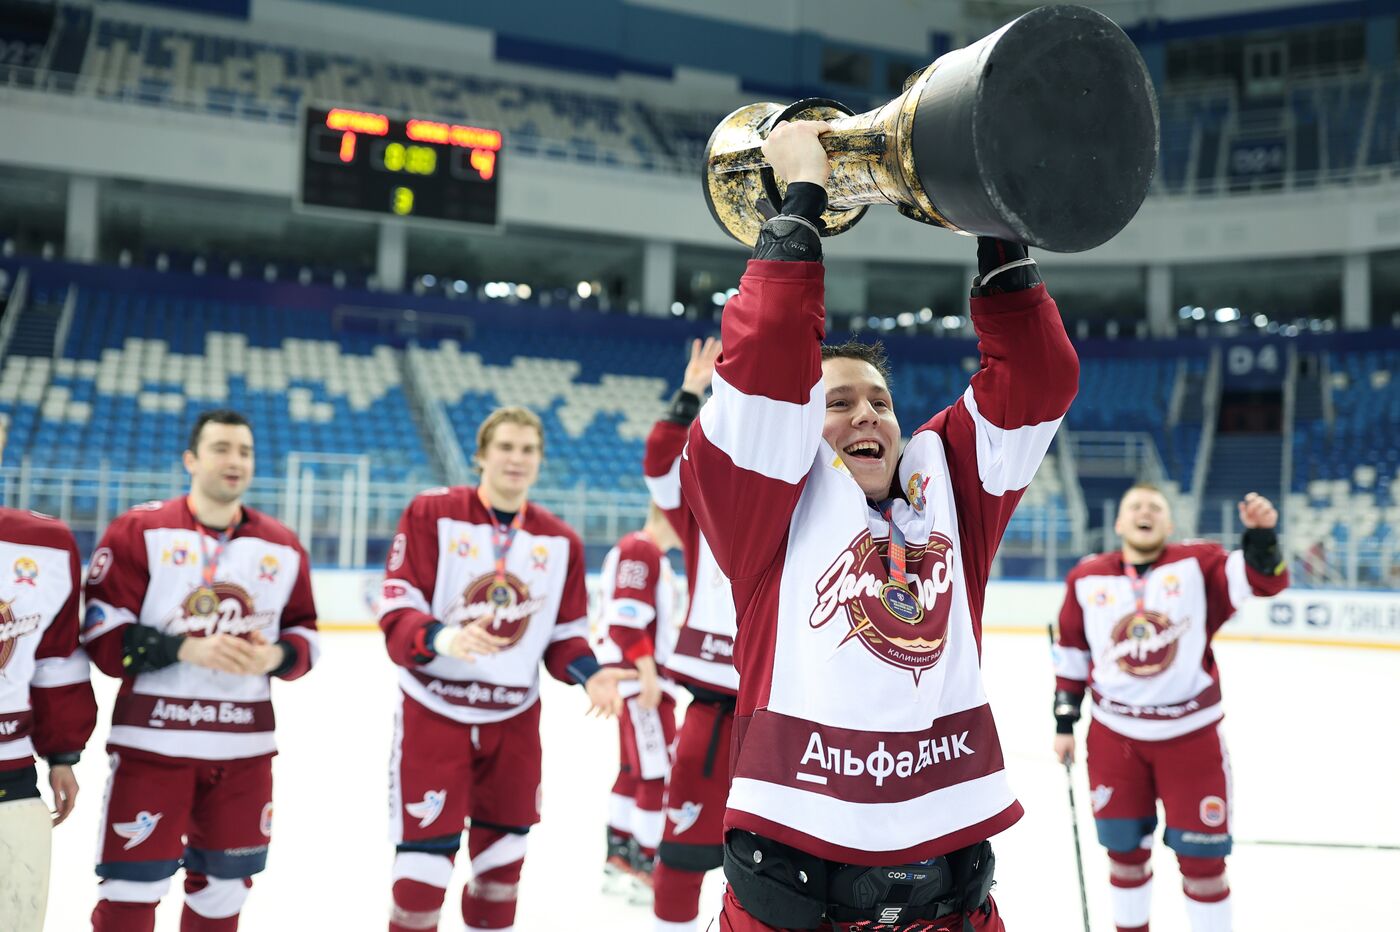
(1044,132)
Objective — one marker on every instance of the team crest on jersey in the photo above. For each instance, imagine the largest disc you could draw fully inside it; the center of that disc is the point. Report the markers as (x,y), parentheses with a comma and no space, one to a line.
(508,603)
(220,608)
(267,568)
(26,572)
(427,809)
(539,558)
(1213,811)
(918,483)
(12,628)
(138,829)
(1144,644)
(1171,586)
(465,549)
(906,627)
(684,817)
(265,820)
(177,554)
(1103,597)
(1099,796)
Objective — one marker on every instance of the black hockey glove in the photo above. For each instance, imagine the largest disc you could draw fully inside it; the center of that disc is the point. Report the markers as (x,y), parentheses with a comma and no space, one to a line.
(1066,711)
(145,649)
(795,234)
(1002,267)
(1261,551)
(685,407)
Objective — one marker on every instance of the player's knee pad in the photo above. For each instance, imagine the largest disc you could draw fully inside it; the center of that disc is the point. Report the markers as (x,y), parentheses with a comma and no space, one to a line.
(1193,844)
(434,870)
(497,855)
(133,891)
(697,858)
(216,897)
(1130,868)
(1204,879)
(1126,834)
(228,865)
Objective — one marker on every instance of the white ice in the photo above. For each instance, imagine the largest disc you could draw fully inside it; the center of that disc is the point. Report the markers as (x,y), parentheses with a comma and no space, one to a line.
(1314,736)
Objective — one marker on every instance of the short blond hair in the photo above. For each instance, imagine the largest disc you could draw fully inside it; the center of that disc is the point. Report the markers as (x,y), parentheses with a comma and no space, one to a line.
(509,415)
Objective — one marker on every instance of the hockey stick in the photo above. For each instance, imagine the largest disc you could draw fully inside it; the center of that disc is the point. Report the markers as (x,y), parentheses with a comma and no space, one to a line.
(1343,845)
(1074,820)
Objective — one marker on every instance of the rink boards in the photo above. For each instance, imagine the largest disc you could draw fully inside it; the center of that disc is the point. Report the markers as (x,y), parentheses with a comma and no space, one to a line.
(347,600)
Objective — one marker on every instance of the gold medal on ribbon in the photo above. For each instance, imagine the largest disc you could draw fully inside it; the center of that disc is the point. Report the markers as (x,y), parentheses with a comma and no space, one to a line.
(204,601)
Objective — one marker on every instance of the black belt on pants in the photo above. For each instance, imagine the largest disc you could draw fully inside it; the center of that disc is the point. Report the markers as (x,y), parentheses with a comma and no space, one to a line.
(724,705)
(790,889)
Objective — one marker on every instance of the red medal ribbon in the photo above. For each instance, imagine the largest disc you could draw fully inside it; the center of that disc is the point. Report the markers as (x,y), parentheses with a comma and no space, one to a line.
(210,564)
(502,535)
(898,550)
(1139,588)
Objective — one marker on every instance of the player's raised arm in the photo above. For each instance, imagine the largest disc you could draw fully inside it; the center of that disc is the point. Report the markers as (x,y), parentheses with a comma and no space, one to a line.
(1257,568)
(997,434)
(751,449)
(661,463)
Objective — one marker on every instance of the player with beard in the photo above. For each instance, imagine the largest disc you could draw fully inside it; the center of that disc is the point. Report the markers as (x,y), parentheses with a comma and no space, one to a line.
(1135,631)
(481,586)
(195,604)
(46,702)
(867,772)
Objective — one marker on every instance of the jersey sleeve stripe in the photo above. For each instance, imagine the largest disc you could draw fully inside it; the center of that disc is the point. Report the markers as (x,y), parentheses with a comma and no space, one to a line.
(411,597)
(310,636)
(1008,458)
(1071,663)
(50,672)
(733,422)
(639,617)
(1240,589)
(563,631)
(666,489)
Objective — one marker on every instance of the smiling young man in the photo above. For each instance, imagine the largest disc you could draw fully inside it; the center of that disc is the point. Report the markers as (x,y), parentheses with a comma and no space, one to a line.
(1135,631)
(195,604)
(867,773)
(481,586)
(47,707)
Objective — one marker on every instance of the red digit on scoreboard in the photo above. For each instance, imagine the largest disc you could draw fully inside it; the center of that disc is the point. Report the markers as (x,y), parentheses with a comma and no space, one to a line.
(347,147)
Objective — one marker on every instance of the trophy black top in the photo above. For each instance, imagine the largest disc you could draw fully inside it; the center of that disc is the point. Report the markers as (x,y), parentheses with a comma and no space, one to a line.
(1044,132)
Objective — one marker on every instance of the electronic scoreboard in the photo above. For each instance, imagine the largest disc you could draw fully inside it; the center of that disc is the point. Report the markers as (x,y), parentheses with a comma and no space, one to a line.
(371,162)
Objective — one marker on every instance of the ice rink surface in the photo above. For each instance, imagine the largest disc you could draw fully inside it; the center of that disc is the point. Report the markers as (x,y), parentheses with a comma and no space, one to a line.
(1313,732)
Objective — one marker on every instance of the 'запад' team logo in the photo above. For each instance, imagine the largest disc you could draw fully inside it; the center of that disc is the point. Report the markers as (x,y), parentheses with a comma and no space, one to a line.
(507,603)
(222,608)
(1144,644)
(12,628)
(904,627)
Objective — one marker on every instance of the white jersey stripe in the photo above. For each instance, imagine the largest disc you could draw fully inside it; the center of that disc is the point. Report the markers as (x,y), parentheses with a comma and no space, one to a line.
(312,638)
(1071,663)
(790,433)
(578,628)
(666,490)
(61,671)
(899,825)
(1007,459)
(410,596)
(1240,589)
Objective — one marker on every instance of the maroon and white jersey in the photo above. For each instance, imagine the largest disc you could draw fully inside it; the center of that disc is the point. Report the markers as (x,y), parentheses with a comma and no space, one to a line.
(442,568)
(1151,674)
(150,569)
(642,605)
(863,733)
(46,701)
(704,651)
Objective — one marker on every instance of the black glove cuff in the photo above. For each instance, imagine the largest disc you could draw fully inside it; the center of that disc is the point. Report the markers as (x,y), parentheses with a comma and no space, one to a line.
(64,758)
(994,254)
(806,200)
(289,658)
(685,406)
(145,649)
(1261,551)
(789,239)
(1066,710)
